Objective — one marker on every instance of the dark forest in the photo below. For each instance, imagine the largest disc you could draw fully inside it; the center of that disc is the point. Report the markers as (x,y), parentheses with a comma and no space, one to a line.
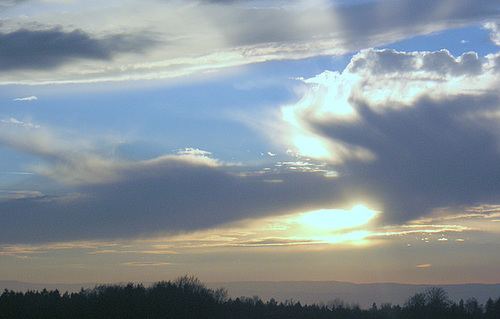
(188,297)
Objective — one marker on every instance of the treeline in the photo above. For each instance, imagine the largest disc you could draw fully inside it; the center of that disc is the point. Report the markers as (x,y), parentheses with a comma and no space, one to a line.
(187,297)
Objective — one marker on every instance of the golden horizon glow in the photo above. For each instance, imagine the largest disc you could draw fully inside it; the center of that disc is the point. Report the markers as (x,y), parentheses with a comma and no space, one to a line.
(284,235)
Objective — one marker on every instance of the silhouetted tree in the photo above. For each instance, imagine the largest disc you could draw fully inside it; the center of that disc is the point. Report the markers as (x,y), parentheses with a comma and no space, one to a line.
(473,308)
(432,303)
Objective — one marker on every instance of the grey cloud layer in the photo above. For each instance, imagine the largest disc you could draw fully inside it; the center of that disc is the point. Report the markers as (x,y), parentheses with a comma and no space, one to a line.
(47,49)
(171,195)
(370,18)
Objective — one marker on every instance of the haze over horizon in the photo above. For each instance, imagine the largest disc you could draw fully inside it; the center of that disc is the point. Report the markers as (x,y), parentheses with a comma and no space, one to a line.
(240,140)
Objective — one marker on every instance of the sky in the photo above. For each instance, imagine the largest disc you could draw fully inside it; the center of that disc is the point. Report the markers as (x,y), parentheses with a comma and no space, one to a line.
(240,140)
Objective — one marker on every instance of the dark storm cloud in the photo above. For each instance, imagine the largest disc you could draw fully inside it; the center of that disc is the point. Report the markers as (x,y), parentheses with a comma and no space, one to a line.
(169,195)
(48,49)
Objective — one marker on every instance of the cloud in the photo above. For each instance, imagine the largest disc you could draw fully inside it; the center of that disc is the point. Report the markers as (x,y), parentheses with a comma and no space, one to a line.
(406,140)
(373,18)
(409,131)
(13,121)
(18,173)
(18,194)
(25,49)
(426,65)
(494,28)
(140,252)
(412,131)
(169,197)
(10,3)
(146,264)
(114,198)
(419,229)
(29,98)
(192,37)
(193,151)
(26,251)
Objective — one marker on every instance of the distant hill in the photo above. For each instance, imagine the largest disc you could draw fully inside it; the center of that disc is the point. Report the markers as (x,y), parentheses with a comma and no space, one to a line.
(309,292)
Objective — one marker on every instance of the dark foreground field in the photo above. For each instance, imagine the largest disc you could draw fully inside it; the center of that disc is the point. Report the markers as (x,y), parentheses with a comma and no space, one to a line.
(187,297)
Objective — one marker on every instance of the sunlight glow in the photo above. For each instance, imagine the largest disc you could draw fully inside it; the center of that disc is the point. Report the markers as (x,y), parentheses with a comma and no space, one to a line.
(357,238)
(333,219)
(311,146)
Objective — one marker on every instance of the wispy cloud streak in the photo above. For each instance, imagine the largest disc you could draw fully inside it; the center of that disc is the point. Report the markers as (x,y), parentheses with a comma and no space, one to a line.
(29,98)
